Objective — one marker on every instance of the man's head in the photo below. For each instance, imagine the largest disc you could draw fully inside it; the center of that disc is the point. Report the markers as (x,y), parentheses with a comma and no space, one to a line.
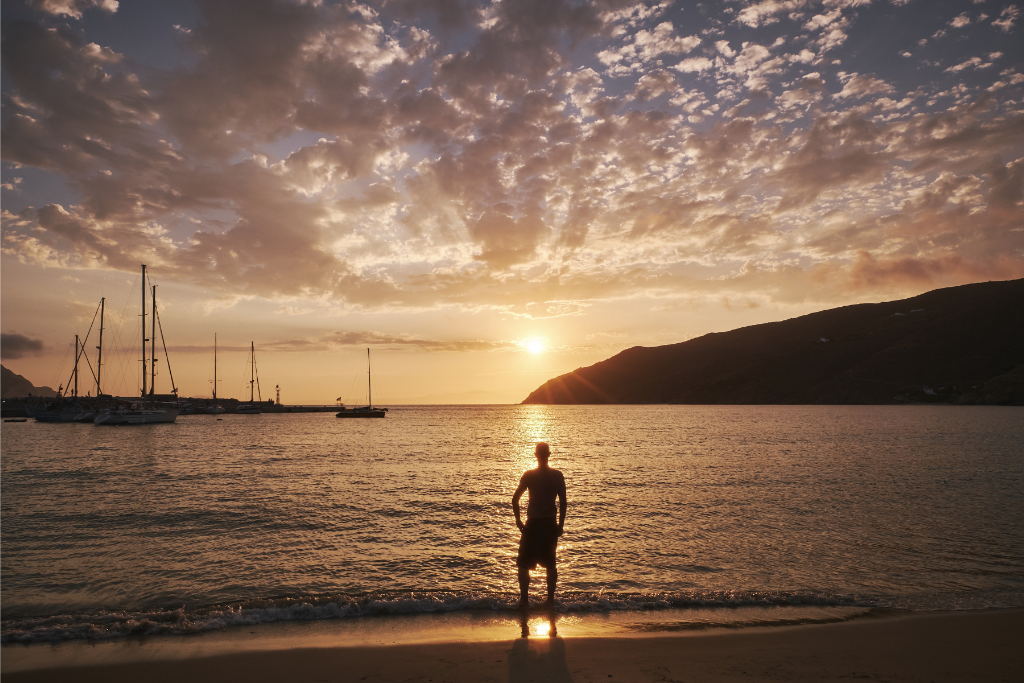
(543,452)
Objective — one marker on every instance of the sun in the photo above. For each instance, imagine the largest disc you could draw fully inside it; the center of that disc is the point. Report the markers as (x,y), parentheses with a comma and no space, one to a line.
(535,346)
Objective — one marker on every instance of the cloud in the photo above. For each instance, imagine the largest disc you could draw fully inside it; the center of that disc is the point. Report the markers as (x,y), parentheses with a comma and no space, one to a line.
(833,37)
(584,87)
(960,20)
(14,346)
(70,110)
(767,11)
(868,271)
(72,8)
(651,44)
(835,152)
(645,46)
(524,158)
(654,84)
(694,65)
(1007,18)
(520,41)
(399,341)
(391,341)
(748,58)
(270,68)
(820,21)
(856,86)
(330,341)
(506,241)
(973,62)
(808,93)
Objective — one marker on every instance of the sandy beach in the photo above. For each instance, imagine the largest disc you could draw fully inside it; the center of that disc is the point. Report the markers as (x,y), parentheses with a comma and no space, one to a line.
(961,646)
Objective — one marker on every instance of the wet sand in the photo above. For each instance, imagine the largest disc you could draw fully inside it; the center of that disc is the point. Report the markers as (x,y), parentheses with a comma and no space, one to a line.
(960,646)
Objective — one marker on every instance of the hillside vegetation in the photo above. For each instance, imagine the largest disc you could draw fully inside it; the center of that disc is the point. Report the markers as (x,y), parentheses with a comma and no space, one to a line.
(956,345)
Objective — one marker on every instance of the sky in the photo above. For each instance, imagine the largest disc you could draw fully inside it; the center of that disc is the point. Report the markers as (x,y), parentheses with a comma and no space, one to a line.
(486,194)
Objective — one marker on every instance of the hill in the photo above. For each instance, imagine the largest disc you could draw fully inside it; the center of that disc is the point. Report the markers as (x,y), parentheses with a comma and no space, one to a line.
(954,345)
(13,385)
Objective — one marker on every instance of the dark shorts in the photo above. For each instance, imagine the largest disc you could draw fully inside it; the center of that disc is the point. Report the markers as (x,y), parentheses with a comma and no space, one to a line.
(537,545)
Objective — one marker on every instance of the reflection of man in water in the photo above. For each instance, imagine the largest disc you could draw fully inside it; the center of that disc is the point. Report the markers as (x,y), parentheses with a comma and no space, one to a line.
(541,531)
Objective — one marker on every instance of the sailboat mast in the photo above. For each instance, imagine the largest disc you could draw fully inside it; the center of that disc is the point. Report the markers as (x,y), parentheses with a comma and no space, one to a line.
(76,365)
(252,367)
(99,363)
(369,378)
(215,366)
(152,349)
(144,330)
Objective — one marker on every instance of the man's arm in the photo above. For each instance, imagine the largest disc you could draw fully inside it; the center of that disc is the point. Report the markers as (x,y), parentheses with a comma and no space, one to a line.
(562,503)
(515,501)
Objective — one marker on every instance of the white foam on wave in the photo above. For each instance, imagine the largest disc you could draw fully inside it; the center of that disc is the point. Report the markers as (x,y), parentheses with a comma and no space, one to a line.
(183,620)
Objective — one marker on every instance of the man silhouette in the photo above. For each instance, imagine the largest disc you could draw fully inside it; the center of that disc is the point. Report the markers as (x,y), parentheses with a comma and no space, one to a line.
(541,531)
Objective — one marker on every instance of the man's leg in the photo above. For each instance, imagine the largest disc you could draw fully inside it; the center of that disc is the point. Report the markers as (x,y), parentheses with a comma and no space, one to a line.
(552,580)
(524,586)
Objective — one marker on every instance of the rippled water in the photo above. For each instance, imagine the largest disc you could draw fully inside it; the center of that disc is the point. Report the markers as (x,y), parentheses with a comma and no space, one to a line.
(211,522)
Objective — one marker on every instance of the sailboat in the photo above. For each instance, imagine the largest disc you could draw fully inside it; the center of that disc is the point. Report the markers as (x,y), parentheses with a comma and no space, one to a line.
(78,408)
(216,408)
(90,411)
(251,408)
(145,410)
(62,410)
(365,411)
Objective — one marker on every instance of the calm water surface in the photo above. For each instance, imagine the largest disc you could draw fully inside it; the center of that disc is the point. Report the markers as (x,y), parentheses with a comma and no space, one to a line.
(247,519)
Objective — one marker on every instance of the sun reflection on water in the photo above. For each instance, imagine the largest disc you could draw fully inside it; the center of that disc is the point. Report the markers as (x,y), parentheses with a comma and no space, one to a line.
(543,626)
(532,424)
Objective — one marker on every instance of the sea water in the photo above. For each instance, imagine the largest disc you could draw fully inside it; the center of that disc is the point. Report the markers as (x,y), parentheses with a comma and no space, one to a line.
(752,514)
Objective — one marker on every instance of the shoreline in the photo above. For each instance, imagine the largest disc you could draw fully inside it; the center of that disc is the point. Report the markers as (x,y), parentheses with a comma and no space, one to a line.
(940,646)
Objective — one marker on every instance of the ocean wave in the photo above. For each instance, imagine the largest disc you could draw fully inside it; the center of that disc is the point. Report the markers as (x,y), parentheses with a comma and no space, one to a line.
(115,624)
(190,620)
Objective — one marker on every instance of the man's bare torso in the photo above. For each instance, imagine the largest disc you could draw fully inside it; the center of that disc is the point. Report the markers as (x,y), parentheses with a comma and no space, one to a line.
(543,486)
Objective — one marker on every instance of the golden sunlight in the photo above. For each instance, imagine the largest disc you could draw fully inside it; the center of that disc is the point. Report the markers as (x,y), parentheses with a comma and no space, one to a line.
(534,345)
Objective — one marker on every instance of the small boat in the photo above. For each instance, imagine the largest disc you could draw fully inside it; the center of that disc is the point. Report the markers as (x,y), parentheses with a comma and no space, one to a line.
(364,411)
(251,408)
(136,414)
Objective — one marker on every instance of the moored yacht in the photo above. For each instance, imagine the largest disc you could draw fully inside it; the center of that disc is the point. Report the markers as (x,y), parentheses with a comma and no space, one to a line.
(251,408)
(136,414)
(364,411)
(146,410)
(59,411)
(216,408)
